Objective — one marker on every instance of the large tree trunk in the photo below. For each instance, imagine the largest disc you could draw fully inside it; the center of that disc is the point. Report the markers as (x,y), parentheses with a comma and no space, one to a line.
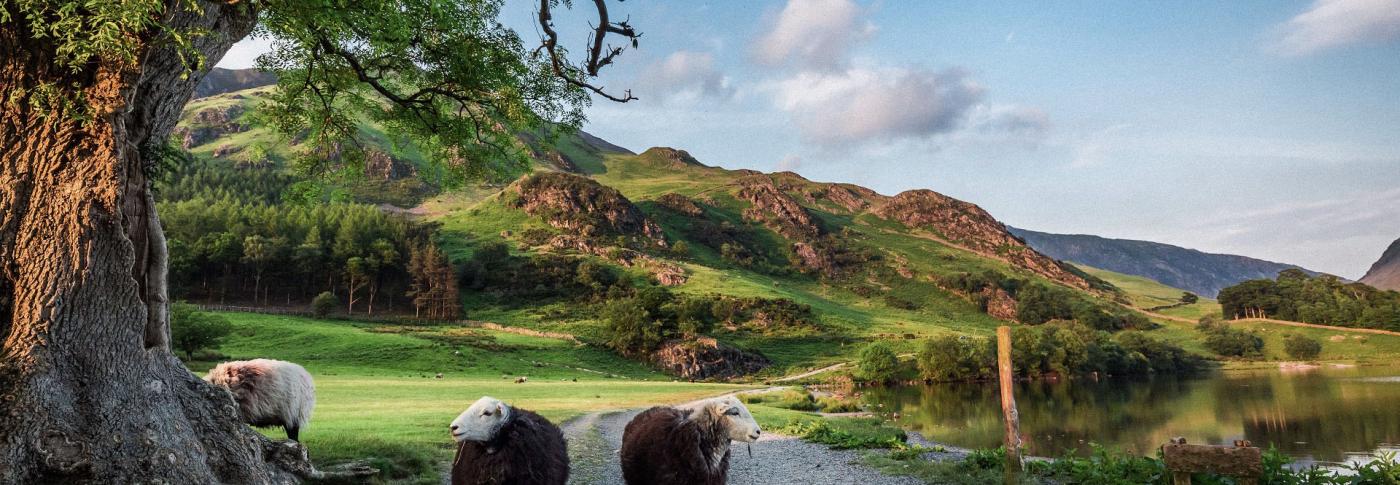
(89,390)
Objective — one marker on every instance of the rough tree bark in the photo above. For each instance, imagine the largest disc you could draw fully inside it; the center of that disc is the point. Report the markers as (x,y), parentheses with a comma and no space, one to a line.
(89,390)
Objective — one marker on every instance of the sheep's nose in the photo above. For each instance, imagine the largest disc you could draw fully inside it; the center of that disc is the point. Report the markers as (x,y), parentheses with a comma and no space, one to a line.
(454,427)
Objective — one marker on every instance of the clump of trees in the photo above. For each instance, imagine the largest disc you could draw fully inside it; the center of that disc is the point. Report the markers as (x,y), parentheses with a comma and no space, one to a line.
(1063,349)
(1038,303)
(640,320)
(1323,299)
(1229,341)
(192,330)
(1302,347)
(223,248)
(878,363)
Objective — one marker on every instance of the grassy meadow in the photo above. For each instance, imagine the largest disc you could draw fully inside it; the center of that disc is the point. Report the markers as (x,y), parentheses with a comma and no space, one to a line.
(378,397)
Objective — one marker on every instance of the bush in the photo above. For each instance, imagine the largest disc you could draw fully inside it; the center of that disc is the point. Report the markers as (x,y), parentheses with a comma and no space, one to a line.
(955,358)
(1302,347)
(680,249)
(900,303)
(1233,342)
(192,330)
(631,330)
(1037,304)
(878,363)
(324,304)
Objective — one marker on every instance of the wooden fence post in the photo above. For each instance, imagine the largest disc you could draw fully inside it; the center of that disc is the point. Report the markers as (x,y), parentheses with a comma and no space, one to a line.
(1008,404)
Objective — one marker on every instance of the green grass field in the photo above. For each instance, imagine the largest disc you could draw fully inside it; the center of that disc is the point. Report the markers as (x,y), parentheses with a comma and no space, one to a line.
(378,398)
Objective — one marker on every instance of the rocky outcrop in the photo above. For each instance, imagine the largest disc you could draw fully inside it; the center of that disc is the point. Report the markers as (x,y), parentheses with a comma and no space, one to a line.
(706,358)
(680,204)
(969,226)
(853,197)
(813,248)
(773,207)
(583,206)
(381,165)
(209,124)
(225,150)
(999,303)
(666,273)
(665,157)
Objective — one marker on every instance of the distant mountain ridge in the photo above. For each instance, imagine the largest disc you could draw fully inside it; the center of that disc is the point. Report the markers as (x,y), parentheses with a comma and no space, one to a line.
(1189,269)
(1385,273)
(220,81)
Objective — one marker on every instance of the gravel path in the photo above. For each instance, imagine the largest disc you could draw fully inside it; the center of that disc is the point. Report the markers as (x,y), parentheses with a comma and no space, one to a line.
(594,440)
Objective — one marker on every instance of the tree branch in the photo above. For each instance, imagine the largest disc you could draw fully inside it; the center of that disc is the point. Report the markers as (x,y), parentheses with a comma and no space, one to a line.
(597,58)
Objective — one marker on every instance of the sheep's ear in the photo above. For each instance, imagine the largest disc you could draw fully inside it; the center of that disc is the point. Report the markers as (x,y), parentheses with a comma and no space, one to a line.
(722,408)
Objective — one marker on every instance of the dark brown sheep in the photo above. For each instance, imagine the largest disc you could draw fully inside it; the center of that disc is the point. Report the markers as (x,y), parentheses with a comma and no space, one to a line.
(688,445)
(502,445)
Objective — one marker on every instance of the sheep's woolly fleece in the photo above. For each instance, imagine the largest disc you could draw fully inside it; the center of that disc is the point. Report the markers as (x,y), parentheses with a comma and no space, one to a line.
(268,392)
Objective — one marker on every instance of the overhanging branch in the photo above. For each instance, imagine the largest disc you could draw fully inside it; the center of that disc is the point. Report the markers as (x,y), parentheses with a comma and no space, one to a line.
(598,57)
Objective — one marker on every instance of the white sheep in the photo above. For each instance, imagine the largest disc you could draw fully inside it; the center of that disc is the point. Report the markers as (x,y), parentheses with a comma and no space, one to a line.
(685,444)
(268,392)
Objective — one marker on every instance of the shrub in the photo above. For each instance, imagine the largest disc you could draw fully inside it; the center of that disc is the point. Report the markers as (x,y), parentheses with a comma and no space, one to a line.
(1209,323)
(955,358)
(1302,347)
(900,303)
(1189,298)
(1037,304)
(192,330)
(630,327)
(680,249)
(694,315)
(1233,342)
(324,303)
(878,363)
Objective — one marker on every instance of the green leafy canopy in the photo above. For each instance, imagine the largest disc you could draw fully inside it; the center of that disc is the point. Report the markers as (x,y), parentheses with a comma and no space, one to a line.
(445,75)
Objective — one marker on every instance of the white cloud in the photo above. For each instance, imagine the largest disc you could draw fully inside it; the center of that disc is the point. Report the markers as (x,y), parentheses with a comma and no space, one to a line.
(244,54)
(1095,149)
(865,104)
(686,73)
(814,34)
(1335,23)
(1012,120)
(789,162)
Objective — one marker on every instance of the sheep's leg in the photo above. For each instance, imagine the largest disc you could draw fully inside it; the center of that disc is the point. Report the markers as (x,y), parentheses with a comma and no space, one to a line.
(292,432)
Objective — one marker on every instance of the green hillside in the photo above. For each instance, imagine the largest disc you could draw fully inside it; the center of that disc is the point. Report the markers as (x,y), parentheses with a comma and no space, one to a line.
(1146,294)
(645,255)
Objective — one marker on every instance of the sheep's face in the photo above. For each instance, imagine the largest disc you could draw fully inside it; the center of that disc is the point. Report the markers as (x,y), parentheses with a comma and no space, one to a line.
(741,425)
(481,421)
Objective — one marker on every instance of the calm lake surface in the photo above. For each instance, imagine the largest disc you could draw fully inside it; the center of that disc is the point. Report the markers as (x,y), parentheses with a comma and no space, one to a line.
(1326,415)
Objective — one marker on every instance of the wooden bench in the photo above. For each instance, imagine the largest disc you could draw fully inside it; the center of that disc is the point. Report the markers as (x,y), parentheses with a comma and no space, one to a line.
(1243,462)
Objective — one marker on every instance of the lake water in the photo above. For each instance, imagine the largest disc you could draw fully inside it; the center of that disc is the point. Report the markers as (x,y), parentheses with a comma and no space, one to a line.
(1325,415)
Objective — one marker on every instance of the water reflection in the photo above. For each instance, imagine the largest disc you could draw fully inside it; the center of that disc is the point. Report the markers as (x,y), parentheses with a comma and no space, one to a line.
(1323,415)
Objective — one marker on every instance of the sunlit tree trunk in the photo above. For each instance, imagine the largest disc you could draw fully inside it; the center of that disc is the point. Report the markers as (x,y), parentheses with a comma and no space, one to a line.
(89,390)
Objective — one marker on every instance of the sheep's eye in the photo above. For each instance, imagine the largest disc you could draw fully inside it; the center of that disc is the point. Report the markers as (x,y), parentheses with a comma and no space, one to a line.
(486,413)
(732,412)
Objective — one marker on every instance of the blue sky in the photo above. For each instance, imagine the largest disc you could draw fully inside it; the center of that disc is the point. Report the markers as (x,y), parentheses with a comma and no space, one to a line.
(1264,128)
